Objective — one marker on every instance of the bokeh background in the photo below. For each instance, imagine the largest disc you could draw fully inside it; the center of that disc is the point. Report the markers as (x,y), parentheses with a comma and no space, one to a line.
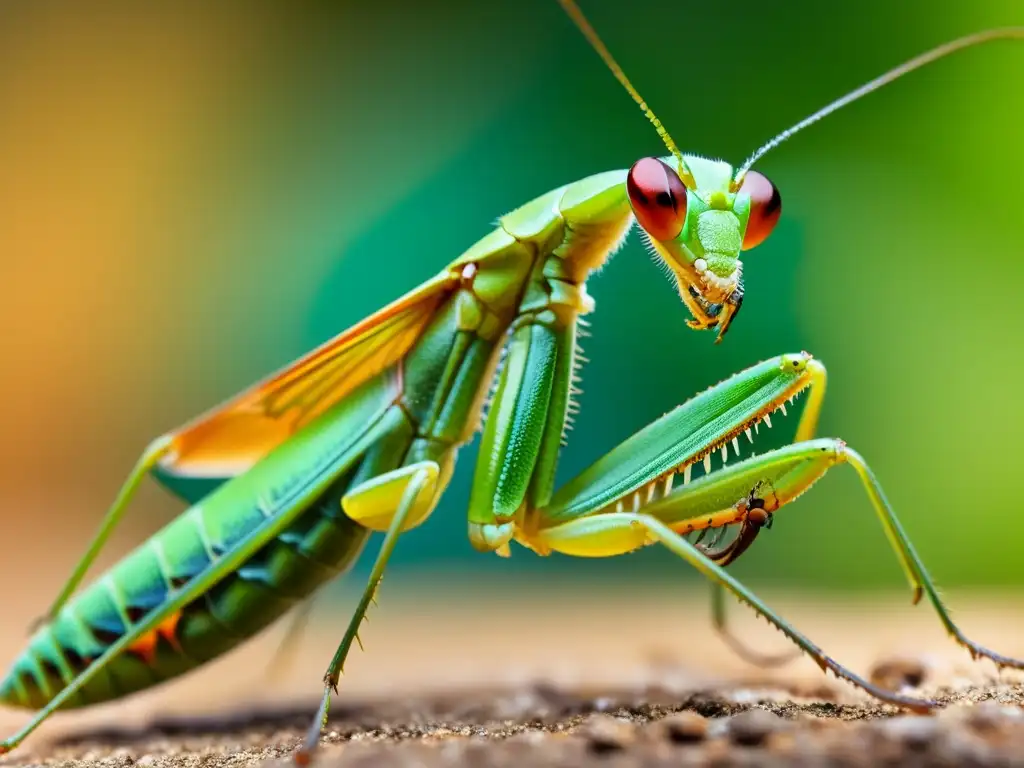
(193,194)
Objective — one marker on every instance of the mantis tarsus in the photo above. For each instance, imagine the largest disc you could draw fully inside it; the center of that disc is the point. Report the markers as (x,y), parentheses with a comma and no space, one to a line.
(288,479)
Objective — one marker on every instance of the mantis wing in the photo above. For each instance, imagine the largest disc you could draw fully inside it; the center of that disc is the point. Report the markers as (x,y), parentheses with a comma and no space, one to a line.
(227,440)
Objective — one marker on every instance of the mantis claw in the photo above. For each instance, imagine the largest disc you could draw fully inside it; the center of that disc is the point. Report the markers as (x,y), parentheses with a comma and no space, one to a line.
(707,315)
(373,418)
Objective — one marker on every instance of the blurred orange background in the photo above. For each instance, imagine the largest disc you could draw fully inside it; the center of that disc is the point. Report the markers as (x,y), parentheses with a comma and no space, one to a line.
(192,194)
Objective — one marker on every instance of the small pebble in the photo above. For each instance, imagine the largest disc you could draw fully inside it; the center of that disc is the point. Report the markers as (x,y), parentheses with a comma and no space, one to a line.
(816,689)
(899,672)
(961,747)
(916,732)
(658,695)
(530,738)
(606,734)
(753,727)
(685,727)
(989,716)
(603,704)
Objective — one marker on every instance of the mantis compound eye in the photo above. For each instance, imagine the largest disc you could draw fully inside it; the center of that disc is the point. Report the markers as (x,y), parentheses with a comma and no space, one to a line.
(765,208)
(658,198)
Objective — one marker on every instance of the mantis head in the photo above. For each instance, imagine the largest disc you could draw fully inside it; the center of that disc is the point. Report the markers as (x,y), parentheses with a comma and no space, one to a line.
(699,215)
(698,220)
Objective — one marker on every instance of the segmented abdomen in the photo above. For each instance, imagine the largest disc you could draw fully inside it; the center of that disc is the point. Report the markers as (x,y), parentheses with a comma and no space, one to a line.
(424,408)
(318,546)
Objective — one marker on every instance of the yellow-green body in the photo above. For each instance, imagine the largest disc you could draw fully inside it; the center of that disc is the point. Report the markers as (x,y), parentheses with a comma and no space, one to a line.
(287,480)
(422,408)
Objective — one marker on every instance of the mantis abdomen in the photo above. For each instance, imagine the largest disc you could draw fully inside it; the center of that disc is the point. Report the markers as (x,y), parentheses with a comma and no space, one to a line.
(406,416)
(322,543)
(288,477)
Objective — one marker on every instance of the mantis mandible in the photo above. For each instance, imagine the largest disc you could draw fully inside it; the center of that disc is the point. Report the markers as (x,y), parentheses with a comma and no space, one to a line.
(288,479)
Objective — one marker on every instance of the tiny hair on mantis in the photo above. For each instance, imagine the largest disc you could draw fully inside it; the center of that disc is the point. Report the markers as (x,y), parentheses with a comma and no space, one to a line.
(287,480)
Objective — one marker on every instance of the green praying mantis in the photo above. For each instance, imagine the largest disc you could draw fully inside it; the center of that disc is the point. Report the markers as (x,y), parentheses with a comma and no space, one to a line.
(288,479)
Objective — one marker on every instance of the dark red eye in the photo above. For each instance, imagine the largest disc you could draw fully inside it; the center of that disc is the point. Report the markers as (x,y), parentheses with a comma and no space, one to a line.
(658,198)
(765,208)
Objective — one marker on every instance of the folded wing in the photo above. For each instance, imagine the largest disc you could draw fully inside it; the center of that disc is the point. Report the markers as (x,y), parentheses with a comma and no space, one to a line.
(227,440)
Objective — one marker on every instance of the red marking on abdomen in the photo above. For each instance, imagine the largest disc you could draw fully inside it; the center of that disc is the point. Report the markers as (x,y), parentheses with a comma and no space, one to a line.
(145,645)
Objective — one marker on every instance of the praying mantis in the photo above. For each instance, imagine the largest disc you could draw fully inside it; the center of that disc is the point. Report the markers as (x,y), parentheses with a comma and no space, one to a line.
(288,479)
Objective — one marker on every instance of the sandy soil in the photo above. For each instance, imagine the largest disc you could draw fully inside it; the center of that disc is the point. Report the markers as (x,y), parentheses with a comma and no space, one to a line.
(612,683)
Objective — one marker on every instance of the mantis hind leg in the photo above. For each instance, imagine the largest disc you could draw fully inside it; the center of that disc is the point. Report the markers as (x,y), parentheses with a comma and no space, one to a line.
(720,621)
(411,493)
(787,472)
(912,562)
(637,528)
(147,461)
(680,546)
(757,518)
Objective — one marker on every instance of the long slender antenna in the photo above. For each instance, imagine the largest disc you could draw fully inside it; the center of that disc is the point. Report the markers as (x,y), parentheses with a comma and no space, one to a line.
(592,37)
(1004,33)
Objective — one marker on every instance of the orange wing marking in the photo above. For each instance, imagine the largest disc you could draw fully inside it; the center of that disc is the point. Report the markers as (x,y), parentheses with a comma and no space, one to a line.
(229,439)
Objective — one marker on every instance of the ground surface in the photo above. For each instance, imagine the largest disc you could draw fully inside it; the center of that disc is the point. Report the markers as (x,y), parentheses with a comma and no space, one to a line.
(543,726)
(611,683)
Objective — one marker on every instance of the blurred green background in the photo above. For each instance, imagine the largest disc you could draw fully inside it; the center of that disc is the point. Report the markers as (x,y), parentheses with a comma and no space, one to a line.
(193,194)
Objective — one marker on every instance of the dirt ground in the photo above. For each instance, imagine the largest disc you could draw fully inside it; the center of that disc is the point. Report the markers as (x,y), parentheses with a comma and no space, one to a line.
(544,726)
(611,683)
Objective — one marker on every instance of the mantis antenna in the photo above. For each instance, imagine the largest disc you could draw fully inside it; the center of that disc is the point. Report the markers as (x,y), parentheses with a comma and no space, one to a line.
(595,41)
(939,52)
(1003,33)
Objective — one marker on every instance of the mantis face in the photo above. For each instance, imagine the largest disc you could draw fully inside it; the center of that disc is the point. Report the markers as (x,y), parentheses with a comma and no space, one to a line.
(698,221)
